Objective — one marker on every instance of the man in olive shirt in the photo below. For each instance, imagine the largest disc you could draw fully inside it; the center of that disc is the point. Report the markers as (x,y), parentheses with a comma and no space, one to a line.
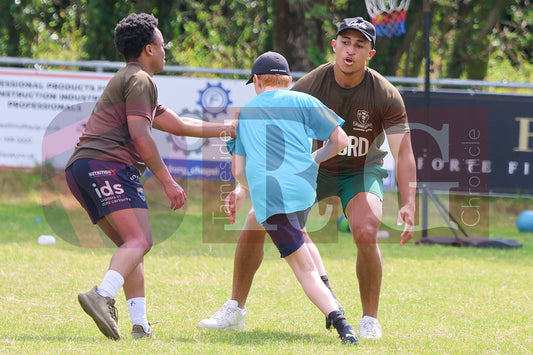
(371,107)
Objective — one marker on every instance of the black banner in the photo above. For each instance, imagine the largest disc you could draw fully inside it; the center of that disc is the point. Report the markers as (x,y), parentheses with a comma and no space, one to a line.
(473,143)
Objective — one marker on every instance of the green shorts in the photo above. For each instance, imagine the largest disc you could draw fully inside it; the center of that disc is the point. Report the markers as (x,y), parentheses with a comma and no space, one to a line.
(346,186)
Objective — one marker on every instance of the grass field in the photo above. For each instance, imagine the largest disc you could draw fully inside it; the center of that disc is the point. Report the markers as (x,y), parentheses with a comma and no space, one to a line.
(435,299)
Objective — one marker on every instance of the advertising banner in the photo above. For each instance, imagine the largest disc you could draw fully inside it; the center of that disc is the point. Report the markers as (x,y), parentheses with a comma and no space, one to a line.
(489,139)
(30,100)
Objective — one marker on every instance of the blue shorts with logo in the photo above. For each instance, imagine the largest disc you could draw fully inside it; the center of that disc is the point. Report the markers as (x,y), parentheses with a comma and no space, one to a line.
(103,187)
(286,231)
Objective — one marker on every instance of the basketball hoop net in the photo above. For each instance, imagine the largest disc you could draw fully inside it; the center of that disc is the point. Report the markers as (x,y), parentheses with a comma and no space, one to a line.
(388,16)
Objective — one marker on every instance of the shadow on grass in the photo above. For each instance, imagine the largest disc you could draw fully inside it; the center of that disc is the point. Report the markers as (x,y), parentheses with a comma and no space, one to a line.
(258,336)
(214,337)
(54,338)
(83,340)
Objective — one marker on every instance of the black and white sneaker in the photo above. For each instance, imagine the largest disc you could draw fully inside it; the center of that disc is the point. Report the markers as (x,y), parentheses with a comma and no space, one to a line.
(348,335)
(344,329)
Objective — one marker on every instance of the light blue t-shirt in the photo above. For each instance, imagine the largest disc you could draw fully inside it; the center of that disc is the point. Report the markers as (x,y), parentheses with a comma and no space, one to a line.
(274,134)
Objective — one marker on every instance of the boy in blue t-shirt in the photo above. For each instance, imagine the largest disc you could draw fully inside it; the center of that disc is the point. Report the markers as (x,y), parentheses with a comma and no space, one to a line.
(272,158)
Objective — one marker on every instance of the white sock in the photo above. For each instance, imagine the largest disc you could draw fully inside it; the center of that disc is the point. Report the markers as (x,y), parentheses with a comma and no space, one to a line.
(137,308)
(110,285)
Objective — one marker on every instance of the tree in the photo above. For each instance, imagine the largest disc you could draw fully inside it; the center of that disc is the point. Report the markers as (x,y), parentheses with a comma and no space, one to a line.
(17,29)
(472,27)
(299,32)
(290,33)
(466,35)
(101,17)
(514,38)
(219,33)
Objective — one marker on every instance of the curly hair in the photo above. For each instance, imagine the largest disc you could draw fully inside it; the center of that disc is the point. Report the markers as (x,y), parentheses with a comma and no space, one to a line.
(133,33)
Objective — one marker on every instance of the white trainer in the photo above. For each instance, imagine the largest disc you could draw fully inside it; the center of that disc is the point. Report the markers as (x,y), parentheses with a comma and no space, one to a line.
(228,317)
(369,328)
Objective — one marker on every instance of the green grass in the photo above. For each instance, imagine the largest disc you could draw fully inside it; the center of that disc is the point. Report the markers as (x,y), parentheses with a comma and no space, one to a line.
(435,299)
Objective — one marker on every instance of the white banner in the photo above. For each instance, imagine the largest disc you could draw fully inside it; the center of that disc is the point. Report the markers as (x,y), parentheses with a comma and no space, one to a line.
(31,99)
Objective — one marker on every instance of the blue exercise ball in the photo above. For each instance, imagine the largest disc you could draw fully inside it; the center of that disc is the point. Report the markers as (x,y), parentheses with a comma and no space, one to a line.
(524,221)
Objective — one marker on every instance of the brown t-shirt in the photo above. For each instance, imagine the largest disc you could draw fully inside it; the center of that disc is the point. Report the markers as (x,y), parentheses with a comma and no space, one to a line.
(370,108)
(131,91)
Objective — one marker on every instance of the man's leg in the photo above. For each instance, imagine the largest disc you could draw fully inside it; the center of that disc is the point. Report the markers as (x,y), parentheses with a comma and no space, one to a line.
(133,228)
(248,257)
(133,287)
(364,213)
(130,230)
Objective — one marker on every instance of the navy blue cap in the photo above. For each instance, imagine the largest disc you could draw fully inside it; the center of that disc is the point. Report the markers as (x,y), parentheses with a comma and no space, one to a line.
(269,63)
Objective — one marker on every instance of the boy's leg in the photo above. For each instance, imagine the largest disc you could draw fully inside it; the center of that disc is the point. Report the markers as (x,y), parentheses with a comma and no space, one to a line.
(307,274)
(290,241)
(287,235)
(317,259)
(248,257)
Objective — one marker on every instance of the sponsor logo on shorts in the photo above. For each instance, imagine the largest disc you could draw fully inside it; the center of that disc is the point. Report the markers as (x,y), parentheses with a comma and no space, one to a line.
(140,192)
(110,194)
(106,172)
(107,190)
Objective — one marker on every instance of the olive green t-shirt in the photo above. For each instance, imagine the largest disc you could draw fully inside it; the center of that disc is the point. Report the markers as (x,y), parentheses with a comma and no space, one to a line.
(369,109)
(131,91)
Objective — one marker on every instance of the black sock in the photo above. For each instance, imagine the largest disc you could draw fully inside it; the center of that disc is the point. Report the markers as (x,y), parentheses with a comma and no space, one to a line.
(338,320)
(326,282)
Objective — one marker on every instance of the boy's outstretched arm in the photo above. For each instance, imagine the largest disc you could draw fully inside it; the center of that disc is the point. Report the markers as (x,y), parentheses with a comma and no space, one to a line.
(338,140)
(170,122)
